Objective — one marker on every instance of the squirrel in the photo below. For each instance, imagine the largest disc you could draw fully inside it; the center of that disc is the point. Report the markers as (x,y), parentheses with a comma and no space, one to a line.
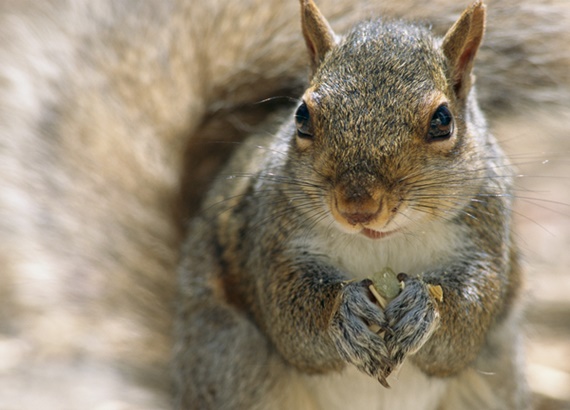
(114,118)
(386,161)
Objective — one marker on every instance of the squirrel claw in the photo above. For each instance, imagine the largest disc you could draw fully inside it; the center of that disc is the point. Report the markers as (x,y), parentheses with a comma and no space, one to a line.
(388,330)
(383,381)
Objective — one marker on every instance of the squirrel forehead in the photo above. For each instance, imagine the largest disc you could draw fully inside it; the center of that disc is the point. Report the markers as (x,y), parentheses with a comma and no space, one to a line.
(393,59)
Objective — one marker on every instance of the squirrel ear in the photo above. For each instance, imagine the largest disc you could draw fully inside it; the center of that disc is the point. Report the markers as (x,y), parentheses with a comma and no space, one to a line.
(319,36)
(460,45)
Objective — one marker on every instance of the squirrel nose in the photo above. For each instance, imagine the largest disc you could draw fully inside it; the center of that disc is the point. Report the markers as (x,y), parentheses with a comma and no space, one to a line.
(357,202)
(357,211)
(355,218)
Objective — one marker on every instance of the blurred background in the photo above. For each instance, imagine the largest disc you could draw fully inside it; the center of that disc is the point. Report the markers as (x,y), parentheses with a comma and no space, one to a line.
(542,217)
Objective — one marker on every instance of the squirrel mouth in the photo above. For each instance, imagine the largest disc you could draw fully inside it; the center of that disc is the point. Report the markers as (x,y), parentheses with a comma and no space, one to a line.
(369,233)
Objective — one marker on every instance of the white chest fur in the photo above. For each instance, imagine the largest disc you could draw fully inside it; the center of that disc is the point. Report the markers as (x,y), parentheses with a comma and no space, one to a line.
(412,253)
(352,390)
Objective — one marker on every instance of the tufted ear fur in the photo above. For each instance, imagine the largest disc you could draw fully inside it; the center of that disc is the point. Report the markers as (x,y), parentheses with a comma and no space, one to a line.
(460,46)
(319,36)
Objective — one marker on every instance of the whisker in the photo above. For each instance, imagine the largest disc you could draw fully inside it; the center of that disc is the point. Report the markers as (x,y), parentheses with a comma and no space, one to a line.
(278,97)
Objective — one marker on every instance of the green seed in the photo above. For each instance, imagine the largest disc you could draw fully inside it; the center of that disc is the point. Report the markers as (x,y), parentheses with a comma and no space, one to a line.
(386,283)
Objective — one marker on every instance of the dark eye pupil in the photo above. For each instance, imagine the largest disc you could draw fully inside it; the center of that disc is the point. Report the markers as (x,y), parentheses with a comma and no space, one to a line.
(303,122)
(441,125)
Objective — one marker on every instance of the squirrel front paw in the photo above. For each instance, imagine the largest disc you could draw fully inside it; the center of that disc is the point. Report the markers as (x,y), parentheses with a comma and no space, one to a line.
(412,317)
(352,325)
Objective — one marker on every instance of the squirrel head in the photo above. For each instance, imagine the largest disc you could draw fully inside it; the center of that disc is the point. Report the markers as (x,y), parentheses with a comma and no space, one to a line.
(388,126)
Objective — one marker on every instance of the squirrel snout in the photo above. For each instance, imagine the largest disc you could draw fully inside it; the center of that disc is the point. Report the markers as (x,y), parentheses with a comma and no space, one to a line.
(355,218)
(356,211)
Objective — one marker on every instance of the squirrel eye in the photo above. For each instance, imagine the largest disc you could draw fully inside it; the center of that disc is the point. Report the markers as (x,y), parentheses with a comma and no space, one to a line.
(441,124)
(303,122)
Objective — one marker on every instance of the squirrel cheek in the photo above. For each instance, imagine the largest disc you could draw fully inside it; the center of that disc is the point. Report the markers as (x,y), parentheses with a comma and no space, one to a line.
(303,144)
(443,147)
